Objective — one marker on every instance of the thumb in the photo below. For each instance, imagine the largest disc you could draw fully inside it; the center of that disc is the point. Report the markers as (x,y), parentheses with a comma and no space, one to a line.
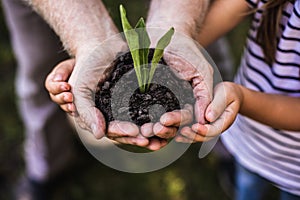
(203,95)
(218,104)
(89,117)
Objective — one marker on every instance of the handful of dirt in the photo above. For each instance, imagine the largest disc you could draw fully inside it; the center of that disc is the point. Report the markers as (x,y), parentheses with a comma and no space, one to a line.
(119,97)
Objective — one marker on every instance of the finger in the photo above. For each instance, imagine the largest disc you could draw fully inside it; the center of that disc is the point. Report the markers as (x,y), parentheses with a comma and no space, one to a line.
(57,87)
(192,135)
(87,115)
(91,119)
(208,130)
(156,143)
(200,129)
(164,131)
(60,73)
(69,108)
(137,141)
(221,124)
(218,104)
(202,93)
(178,117)
(182,139)
(147,130)
(62,98)
(63,70)
(122,129)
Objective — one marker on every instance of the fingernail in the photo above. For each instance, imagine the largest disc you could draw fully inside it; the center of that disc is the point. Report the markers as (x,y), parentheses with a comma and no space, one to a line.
(142,142)
(58,77)
(157,128)
(163,119)
(94,128)
(210,116)
(64,87)
(130,129)
(72,114)
(178,139)
(65,98)
(70,107)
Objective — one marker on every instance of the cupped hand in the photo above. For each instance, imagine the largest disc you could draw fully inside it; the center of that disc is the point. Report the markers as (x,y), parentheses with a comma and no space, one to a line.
(93,66)
(220,114)
(185,58)
(123,132)
(73,83)
(60,92)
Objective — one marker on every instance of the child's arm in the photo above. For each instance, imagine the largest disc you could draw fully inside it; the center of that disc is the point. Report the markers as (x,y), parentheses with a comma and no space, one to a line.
(277,111)
(221,18)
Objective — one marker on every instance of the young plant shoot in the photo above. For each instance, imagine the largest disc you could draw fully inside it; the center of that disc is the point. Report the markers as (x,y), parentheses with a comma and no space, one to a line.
(138,41)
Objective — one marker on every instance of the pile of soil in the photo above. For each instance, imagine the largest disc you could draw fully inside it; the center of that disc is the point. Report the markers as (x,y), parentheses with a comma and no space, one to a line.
(119,97)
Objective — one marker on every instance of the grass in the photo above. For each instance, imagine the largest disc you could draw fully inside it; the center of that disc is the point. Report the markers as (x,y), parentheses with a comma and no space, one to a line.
(187,178)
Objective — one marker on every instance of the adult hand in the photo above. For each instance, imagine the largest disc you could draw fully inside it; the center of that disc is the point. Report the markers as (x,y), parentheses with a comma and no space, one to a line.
(183,54)
(60,92)
(185,59)
(91,66)
(83,29)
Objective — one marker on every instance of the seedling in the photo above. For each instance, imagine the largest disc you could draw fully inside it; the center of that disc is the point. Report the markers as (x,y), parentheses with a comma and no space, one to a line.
(114,97)
(138,41)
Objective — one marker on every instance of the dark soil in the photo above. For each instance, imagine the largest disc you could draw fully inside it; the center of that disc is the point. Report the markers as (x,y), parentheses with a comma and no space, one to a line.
(119,97)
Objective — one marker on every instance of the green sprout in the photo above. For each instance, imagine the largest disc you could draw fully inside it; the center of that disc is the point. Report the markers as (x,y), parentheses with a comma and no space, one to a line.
(138,41)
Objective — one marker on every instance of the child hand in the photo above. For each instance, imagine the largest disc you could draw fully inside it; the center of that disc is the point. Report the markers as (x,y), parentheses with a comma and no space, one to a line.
(220,114)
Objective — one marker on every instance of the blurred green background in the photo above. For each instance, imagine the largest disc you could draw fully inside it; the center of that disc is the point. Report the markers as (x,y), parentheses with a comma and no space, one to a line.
(187,178)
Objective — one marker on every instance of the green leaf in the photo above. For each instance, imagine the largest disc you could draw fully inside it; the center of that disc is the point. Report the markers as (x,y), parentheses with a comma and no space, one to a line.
(144,39)
(159,51)
(144,44)
(138,42)
(132,38)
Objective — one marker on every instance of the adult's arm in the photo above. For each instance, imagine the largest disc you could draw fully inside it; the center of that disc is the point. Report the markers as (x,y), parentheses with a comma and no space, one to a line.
(82,26)
(185,16)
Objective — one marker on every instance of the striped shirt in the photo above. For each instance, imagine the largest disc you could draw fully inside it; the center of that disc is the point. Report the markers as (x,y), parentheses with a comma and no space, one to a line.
(271,153)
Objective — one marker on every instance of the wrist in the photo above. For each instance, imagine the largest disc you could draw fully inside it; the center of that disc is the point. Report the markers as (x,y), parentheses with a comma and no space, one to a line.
(181,27)
(241,94)
(185,16)
(105,50)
